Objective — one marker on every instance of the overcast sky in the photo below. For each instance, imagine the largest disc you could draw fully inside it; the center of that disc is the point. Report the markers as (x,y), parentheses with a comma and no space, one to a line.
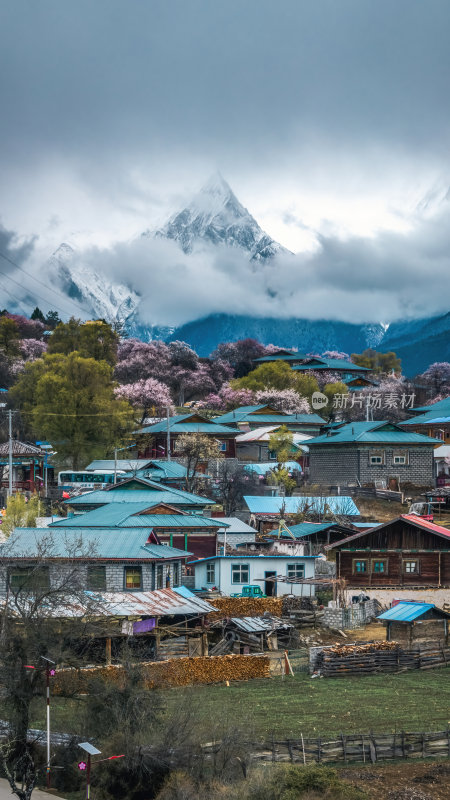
(329,118)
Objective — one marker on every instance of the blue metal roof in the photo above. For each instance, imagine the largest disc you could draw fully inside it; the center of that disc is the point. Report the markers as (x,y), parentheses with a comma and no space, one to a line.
(186,423)
(263,467)
(303,529)
(129,515)
(406,611)
(370,433)
(248,414)
(151,496)
(337,504)
(88,544)
(331,364)
(245,556)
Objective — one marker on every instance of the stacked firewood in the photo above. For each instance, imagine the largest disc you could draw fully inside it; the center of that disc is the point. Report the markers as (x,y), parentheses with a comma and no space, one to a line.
(246,607)
(179,672)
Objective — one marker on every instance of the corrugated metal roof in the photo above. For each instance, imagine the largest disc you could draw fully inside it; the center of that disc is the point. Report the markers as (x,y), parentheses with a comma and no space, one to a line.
(99,543)
(263,467)
(417,521)
(339,364)
(341,504)
(181,424)
(256,435)
(151,497)
(160,603)
(406,612)
(123,464)
(303,529)
(235,525)
(370,432)
(128,515)
(233,417)
(257,624)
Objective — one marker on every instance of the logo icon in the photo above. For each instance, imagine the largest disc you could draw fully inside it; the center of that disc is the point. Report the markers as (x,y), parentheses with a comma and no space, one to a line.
(319,400)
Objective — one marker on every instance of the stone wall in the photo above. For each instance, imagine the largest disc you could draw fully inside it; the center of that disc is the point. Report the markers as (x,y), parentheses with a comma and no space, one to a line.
(354,616)
(331,465)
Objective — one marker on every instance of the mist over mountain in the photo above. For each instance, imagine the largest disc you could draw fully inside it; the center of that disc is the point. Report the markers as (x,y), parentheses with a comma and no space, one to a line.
(211,274)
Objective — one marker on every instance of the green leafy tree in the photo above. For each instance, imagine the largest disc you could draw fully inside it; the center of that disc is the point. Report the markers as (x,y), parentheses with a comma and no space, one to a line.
(9,338)
(330,390)
(70,401)
(277,375)
(280,443)
(380,363)
(90,339)
(20,513)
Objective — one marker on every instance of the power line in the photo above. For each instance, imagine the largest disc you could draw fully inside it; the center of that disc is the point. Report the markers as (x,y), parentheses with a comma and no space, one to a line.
(48,288)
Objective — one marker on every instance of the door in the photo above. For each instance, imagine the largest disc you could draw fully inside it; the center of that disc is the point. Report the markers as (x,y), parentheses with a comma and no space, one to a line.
(270,587)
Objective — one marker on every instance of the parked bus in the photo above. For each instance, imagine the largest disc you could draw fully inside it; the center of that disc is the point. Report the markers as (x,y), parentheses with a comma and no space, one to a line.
(97,479)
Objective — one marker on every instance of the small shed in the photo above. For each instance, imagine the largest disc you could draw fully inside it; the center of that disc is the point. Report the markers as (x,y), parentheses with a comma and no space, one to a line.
(411,623)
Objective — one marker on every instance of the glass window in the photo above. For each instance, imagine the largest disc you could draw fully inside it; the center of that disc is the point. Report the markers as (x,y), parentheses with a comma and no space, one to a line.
(296,570)
(176,574)
(133,578)
(211,573)
(223,447)
(399,459)
(240,573)
(159,576)
(379,566)
(411,567)
(272,455)
(360,567)
(376,459)
(96,578)
(29,579)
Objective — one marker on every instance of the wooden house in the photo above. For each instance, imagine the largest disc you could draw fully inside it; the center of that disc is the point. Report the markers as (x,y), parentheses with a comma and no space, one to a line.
(407,553)
(247,418)
(29,463)
(414,624)
(431,421)
(153,440)
(345,369)
(138,490)
(193,533)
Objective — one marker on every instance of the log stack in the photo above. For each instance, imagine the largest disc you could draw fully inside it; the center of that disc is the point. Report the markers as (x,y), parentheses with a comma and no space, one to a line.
(246,607)
(177,672)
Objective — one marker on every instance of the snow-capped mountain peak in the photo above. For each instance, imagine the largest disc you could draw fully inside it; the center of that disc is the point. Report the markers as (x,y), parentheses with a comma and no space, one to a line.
(94,291)
(215,216)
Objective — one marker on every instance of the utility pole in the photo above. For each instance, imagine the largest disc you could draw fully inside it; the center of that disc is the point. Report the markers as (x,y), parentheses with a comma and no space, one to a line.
(168,434)
(10,486)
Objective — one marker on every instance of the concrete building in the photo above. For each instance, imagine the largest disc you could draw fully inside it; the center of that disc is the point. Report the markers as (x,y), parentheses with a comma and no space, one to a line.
(229,574)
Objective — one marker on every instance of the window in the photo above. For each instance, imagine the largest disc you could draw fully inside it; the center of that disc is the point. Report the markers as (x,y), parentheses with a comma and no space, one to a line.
(240,573)
(176,574)
(400,457)
(159,576)
(399,460)
(223,447)
(133,578)
(272,455)
(29,579)
(379,567)
(210,573)
(296,570)
(411,567)
(96,578)
(359,567)
(376,459)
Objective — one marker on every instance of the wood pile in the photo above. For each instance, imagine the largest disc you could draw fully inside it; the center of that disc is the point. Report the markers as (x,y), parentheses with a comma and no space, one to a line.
(179,672)
(379,657)
(245,607)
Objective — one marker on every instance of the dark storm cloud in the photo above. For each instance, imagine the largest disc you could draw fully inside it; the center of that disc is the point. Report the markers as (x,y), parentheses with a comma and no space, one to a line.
(106,76)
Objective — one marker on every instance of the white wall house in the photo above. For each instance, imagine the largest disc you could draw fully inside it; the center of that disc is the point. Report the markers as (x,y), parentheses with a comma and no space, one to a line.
(230,573)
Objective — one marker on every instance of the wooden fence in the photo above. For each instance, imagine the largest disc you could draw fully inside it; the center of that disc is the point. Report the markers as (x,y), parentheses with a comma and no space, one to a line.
(362,747)
(360,660)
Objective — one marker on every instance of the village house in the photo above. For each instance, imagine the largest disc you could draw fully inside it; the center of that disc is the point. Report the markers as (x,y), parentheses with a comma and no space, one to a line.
(290,356)
(229,574)
(153,439)
(412,624)
(138,490)
(169,473)
(266,511)
(246,418)
(431,421)
(29,465)
(105,560)
(193,533)
(233,532)
(252,447)
(314,536)
(407,557)
(371,453)
(345,369)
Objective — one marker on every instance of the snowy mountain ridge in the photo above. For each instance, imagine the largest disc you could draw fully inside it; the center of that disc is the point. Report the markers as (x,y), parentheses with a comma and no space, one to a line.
(215,216)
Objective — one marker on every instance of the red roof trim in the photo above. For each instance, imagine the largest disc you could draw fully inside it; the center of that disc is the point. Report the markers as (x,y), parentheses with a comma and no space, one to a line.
(411,518)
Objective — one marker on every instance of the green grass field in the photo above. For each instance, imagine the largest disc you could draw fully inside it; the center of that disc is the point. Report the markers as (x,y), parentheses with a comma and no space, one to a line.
(412,701)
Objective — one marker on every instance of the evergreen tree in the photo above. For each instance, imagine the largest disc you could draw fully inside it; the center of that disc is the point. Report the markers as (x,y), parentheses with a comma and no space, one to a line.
(37,314)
